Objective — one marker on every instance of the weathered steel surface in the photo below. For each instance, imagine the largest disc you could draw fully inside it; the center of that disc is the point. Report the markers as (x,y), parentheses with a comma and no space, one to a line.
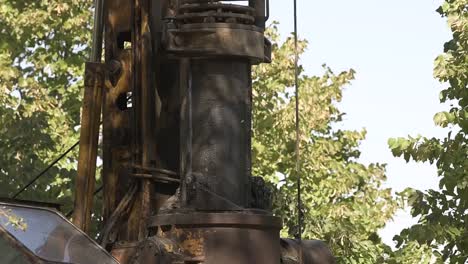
(89,136)
(90,123)
(221,132)
(217,39)
(143,100)
(117,153)
(158,250)
(219,30)
(228,238)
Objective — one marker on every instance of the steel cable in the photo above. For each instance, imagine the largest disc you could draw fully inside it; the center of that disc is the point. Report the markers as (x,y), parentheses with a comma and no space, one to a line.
(45,170)
(296,86)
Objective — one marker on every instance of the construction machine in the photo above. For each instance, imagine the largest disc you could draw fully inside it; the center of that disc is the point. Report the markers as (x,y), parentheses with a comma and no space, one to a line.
(172,89)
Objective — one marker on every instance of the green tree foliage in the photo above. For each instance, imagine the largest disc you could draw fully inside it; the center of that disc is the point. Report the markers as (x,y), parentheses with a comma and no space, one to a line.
(42,53)
(344,201)
(443,223)
(412,253)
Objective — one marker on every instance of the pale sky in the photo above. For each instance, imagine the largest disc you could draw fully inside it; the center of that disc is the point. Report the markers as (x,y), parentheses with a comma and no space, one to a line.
(392,46)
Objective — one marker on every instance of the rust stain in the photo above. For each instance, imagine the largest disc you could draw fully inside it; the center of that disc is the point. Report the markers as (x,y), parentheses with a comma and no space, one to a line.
(169,247)
(193,244)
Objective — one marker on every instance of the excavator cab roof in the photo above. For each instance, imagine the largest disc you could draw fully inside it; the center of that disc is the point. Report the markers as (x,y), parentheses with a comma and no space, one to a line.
(32,234)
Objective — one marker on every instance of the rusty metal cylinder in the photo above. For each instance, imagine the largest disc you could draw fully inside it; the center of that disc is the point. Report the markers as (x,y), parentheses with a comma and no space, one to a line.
(226,238)
(221,127)
(218,42)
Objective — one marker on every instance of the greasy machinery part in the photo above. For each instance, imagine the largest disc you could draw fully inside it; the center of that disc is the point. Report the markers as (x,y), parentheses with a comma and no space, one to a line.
(90,123)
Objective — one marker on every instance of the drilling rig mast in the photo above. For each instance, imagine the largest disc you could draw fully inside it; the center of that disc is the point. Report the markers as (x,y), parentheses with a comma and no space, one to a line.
(177,111)
(175,96)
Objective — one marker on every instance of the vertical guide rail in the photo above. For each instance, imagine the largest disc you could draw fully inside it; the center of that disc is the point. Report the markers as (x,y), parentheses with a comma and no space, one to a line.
(144,144)
(133,225)
(90,123)
(147,109)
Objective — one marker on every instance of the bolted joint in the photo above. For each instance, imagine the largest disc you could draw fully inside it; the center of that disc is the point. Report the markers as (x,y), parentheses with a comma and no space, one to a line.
(215,40)
(214,28)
